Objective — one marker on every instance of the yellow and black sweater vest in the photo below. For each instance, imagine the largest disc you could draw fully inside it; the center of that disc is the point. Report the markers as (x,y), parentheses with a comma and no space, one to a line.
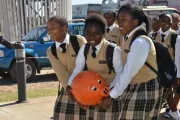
(99,64)
(144,74)
(114,35)
(167,42)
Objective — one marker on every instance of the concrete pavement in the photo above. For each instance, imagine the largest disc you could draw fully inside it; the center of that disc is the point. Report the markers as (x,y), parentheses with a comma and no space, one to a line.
(33,109)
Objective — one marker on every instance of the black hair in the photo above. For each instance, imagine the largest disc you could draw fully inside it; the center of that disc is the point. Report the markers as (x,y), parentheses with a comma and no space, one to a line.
(137,13)
(162,15)
(96,18)
(62,21)
(111,12)
(156,18)
(165,15)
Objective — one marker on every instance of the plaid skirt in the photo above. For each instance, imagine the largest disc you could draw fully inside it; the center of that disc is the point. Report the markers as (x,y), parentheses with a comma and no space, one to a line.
(112,113)
(65,109)
(166,92)
(142,101)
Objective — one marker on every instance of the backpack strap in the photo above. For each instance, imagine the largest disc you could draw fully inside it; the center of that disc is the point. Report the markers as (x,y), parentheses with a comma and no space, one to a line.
(86,50)
(53,50)
(137,34)
(109,56)
(150,67)
(173,40)
(75,43)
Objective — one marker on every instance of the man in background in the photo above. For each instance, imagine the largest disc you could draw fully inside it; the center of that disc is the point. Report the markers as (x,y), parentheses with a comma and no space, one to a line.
(112,33)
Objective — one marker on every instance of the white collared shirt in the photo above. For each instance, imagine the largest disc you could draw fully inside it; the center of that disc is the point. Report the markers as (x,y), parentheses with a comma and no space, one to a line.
(128,35)
(178,31)
(136,58)
(151,33)
(98,47)
(66,40)
(177,49)
(112,27)
(165,33)
(80,62)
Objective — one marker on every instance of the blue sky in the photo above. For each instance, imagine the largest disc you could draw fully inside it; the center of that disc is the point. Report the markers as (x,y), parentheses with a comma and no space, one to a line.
(75,2)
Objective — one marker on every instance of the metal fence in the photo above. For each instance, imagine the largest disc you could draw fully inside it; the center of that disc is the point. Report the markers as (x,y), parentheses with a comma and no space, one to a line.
(18,17)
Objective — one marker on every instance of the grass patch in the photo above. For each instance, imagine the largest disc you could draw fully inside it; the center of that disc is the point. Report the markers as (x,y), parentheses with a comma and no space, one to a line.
(30,94)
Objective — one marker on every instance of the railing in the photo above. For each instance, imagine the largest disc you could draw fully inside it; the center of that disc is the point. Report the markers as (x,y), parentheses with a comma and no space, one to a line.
(18,17)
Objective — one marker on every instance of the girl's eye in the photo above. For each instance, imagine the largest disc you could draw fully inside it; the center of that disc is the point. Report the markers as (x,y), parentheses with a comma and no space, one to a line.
(123,20)
(93,34)
(53,28)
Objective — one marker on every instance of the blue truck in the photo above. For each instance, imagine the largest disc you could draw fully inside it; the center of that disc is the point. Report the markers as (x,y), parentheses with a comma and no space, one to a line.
(36,43)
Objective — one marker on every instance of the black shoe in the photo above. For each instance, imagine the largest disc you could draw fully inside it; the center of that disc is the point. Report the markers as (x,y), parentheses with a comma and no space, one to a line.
(167,110)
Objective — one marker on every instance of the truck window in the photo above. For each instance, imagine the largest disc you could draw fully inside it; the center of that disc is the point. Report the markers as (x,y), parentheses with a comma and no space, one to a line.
(34,34)
(78,30)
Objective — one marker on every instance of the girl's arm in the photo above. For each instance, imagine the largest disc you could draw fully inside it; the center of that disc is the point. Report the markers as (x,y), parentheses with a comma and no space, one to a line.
(117,64)
(135,60)
(80,64)
(177,55)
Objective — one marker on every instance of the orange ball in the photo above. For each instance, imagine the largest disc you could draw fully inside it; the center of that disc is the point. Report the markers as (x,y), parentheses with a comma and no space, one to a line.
(89,88)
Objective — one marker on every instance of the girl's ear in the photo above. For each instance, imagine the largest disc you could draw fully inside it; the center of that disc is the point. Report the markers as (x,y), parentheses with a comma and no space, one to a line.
(64,28)
(135,22)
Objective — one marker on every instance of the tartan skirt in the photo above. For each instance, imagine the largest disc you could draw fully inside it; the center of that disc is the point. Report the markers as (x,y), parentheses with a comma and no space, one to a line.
(142,101)
(66,109)
(112,113)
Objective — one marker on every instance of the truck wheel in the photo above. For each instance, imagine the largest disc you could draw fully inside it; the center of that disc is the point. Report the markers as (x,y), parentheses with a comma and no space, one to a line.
(4,74)
(30,70)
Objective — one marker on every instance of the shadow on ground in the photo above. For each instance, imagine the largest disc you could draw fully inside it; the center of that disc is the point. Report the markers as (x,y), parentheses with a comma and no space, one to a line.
(162,117)
(38,78)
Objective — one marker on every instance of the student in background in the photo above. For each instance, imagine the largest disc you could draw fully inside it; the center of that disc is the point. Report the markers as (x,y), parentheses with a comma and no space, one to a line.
(175,22)
(138,85)
(95,26)
(112,33)
(155,28)
(63,65)
(165,37)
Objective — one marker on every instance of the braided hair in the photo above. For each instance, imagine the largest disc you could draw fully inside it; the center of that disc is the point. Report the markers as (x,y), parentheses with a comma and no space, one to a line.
(62,21)
(137,13)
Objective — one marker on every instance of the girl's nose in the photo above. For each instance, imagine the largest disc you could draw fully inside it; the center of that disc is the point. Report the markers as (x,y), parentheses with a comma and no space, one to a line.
(92,37)
(119,24)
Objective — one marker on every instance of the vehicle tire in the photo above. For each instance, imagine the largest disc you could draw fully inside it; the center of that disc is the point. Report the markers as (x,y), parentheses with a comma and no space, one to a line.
(4,74)
(30,70)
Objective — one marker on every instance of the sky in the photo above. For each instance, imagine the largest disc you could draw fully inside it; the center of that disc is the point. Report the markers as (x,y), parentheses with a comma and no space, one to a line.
(75,2)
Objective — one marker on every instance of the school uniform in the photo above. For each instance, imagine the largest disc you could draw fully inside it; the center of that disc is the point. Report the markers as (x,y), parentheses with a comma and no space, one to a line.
(113,34)
(167,41)
(99,65)
(178,30)
(153,34)
(138,85)
(63,66)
